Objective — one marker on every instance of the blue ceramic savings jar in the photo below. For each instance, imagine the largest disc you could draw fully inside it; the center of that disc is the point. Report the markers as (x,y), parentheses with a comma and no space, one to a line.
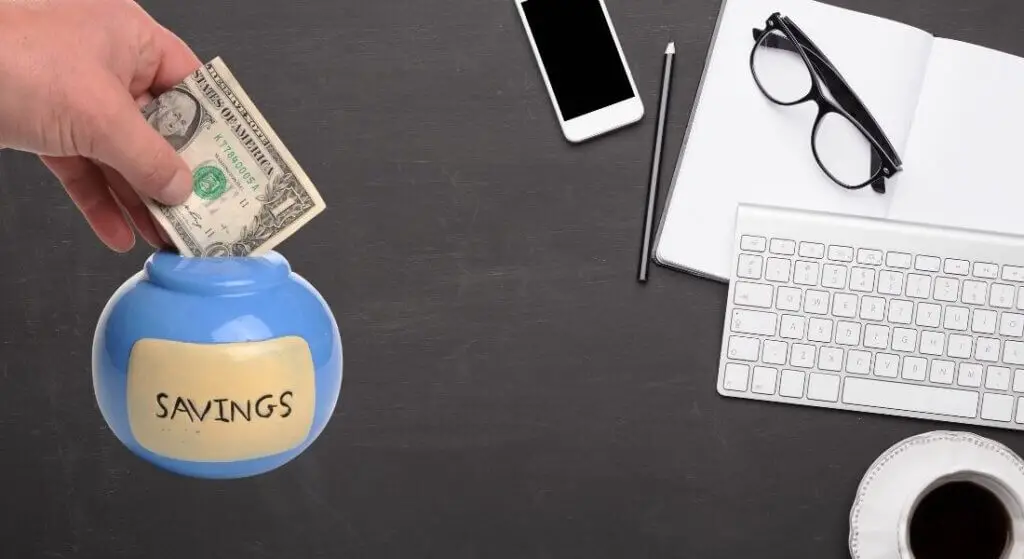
(221,367)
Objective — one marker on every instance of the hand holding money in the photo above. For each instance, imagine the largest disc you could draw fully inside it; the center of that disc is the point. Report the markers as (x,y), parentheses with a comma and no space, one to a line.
(70,74)
(248,192)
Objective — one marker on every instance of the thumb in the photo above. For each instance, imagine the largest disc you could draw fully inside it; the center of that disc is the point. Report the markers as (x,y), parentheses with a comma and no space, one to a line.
(125,141)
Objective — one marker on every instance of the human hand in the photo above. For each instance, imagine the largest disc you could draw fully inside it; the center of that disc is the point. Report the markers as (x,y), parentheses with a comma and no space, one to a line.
(73,77)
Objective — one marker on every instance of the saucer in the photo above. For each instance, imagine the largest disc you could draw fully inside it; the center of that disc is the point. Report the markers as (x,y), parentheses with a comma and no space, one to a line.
(910,468)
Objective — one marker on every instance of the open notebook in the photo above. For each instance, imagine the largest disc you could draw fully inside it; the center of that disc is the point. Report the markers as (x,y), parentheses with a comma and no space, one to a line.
(954,112)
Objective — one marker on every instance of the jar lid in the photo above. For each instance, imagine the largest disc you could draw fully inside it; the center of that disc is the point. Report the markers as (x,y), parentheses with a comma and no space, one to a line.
(216,274)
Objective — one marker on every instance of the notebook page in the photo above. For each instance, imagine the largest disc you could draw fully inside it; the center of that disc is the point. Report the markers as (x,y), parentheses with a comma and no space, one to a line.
(741,147)
(964,158)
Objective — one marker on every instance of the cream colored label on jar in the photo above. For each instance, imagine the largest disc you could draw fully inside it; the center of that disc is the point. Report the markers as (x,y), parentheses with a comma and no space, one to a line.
(221,402)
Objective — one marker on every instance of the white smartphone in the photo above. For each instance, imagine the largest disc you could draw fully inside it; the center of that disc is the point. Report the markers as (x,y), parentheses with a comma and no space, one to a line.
(585,72)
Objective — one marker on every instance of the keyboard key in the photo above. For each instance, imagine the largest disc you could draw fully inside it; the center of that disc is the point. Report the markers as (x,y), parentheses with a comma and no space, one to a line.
(1018,380)
(743,349)
(869,256)
(997,407)
(1020,410)
(946,289)
(816,302)
(974,292)
(1011,324)
(753,294)
(985,270)
(872,308)
(736,377)
(859,362)
(751,243)
(898,260)
(876,336)
(775,352)
(764,380)
(749,266)
(812,250)
(848,333)
(844,305)
(941,372)
(754,322)
(969,375)
(792,327)
(862,279)
(900,312)
(956,318)
(830,359)
(1013,273)
(987,349)
(792,384)
(928,315)
(823,387)
(904,339)
(1020,298)
(932,343)
(802,356)
(1013,353)
(914,368)
(820,330)
(910,397)
(957,267)
(777,269)
(927,264)
(919,286)
(959,346)
(805,273)
(789,299)
(984,321)
(997,378)
(1001,296)
(840,253)
(833,276)
(890,283)
(782,246)
(886,365)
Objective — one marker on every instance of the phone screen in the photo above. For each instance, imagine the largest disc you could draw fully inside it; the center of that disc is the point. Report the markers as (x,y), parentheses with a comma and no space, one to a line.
(579,54)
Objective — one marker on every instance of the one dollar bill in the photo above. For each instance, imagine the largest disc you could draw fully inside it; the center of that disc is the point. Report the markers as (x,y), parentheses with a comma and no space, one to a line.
(248,192)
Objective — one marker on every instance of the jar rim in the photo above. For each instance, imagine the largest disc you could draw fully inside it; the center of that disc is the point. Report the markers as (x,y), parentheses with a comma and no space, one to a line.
(217,274)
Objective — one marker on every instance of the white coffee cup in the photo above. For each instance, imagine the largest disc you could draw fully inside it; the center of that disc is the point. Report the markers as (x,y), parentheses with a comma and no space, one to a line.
(1006,499)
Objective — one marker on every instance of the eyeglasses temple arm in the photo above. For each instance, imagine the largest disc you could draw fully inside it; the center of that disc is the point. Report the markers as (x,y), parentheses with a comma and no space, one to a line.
(878,185)
(775,41)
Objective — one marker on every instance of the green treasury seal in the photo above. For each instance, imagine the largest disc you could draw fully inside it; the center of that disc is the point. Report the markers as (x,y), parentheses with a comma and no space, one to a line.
(209,182)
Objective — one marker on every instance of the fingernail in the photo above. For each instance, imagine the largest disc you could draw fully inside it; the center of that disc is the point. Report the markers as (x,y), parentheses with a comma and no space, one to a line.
(119,240)
(178,190)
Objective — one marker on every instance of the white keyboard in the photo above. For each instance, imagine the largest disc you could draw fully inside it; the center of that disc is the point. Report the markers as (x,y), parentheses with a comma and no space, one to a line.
(875,316)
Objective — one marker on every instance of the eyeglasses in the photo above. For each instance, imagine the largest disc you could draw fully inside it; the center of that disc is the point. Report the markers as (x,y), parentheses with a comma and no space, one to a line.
(847,142)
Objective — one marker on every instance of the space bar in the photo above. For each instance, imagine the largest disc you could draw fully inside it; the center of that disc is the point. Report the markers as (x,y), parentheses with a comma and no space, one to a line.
(910,397)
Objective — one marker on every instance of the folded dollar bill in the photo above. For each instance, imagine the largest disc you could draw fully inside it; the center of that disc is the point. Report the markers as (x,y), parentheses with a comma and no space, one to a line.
(248,192)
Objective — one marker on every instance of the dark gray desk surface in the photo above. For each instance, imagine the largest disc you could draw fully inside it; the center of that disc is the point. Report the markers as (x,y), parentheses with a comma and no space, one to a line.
(510,390)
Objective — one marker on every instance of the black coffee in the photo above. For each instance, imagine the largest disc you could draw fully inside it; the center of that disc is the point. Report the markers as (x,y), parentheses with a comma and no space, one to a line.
(959,520)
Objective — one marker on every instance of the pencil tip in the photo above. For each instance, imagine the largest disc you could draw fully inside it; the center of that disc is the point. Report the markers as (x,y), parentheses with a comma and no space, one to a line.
(671,48)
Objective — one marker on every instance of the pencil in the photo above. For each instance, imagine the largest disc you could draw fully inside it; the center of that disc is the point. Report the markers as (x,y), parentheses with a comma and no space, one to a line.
(659,141)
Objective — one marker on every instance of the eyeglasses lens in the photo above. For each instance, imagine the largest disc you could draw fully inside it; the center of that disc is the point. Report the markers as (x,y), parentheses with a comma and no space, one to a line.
(779,69)
(843,151)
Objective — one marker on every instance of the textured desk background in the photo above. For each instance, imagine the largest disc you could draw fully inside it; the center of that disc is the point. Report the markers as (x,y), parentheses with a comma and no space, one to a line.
(510,391)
